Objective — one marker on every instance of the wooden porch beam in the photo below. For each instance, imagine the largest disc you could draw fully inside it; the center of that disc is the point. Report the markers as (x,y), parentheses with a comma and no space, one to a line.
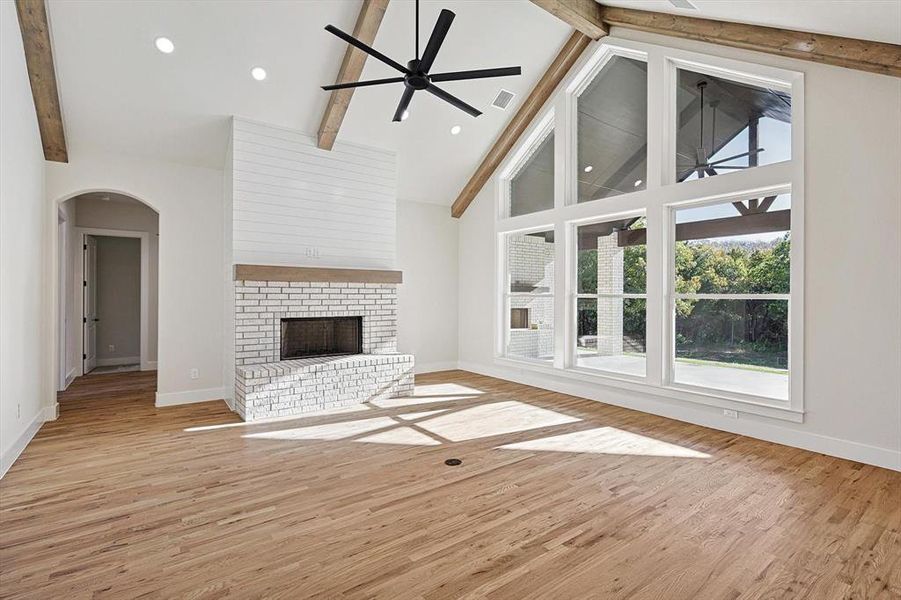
(42,75)
(528,110)
(762,222)
(368,22)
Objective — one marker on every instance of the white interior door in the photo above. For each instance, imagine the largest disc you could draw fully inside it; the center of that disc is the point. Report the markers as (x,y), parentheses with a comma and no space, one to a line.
(90,317)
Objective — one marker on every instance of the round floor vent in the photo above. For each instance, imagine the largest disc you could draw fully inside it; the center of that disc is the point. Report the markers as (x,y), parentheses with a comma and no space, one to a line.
(453,462)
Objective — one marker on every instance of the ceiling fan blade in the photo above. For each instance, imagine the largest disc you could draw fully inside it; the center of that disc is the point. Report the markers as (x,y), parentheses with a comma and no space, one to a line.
(710,171)
(403,104)
(729,166)
(476,74)
(356,84)
(722,160)
(442,25)
(367,49)
(437,91)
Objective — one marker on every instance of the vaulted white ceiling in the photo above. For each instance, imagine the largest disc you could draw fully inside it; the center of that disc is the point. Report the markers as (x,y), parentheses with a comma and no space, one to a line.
(120,95)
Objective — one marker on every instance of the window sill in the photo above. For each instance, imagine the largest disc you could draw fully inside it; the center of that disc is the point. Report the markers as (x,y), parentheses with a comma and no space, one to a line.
(764,407)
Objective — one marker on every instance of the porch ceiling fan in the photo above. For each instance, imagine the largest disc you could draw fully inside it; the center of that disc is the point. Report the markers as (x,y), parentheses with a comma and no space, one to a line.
(702,160)
(416,75)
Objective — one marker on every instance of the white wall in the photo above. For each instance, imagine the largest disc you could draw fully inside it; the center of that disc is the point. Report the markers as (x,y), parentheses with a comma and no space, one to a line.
(92,212)
(118,300)
(852,369)
(427,299)
(295,204)
(23,329)
(189,203)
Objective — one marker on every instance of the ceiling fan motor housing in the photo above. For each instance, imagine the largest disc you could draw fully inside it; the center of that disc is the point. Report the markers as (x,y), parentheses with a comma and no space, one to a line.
(416,79)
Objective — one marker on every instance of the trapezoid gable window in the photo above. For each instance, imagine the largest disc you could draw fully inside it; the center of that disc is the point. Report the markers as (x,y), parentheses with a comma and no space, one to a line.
(725,126)
(612,134)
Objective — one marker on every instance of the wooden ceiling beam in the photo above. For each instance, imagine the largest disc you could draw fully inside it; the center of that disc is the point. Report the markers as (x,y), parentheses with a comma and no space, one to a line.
(42,75)
(581,15)
(852,53)
(528,110)
(368,22)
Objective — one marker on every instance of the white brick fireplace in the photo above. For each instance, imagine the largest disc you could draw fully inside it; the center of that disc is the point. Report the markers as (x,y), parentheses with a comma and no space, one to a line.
(266,386)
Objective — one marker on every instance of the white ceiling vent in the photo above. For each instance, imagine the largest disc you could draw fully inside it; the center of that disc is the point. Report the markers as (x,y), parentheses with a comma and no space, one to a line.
(503,99)
(683,4)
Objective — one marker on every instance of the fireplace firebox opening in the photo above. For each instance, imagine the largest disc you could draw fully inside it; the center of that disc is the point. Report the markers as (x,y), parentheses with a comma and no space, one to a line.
(306,337)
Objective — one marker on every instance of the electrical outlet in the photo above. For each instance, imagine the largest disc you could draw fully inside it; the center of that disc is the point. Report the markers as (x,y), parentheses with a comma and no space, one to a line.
(732,414)
(195,373)
(112,347)
(18,411)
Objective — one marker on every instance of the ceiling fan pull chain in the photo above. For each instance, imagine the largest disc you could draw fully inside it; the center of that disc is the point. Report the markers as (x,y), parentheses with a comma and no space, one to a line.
(417,30)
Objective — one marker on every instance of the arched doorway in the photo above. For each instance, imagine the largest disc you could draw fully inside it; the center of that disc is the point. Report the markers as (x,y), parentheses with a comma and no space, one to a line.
(106,254)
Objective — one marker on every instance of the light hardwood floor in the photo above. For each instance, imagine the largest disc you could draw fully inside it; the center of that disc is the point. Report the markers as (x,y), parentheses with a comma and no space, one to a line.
(557,497)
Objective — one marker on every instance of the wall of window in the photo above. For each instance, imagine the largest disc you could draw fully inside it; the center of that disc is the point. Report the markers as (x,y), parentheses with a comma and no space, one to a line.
(666,190)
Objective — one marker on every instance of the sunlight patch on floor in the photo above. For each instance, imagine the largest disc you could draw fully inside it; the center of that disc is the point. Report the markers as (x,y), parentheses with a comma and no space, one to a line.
(413,416)
(496,418)
(402,436)
(309,415)
(606,440)
(329,431)
(427,394)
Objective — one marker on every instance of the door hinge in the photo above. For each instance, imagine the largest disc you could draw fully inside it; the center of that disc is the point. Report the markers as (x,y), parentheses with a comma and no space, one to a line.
(84,284)
(84,319)
(84,357)
(85,247)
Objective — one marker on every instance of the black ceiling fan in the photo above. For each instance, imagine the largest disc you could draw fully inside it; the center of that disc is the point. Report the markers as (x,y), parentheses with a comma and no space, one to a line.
(702,160)
(416,74)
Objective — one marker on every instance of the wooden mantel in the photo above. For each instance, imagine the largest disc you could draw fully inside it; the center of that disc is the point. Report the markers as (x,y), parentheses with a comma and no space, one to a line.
(285,273)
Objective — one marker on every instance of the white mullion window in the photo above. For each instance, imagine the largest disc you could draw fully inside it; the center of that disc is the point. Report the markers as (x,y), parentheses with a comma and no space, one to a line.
(730,293)
(528,296)
(610,296)
(635,139)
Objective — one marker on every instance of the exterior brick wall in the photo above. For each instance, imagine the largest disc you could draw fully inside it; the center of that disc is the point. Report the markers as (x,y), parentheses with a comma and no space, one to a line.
(610,310)
(530,263)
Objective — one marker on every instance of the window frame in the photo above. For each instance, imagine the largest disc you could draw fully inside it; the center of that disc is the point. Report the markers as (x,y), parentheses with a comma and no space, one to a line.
(505,294)
(669,379)
(574,295)
(658,202)
(580,82)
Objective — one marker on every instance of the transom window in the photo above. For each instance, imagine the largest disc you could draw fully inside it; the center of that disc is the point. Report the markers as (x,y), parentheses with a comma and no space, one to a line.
(681,177)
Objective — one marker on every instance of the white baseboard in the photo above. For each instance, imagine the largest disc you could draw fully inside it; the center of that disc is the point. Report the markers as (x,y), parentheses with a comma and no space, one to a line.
(115,362)
(51,413)
(750,425)
(449,365)
(148,365)
(189,397)
(70,377)
(9,456)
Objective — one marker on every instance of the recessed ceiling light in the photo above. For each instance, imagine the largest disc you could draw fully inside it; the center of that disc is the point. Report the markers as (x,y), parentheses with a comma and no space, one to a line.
(588,169)
(258,73)
(638,182)
(164,45)
(404,115)
(456,129)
